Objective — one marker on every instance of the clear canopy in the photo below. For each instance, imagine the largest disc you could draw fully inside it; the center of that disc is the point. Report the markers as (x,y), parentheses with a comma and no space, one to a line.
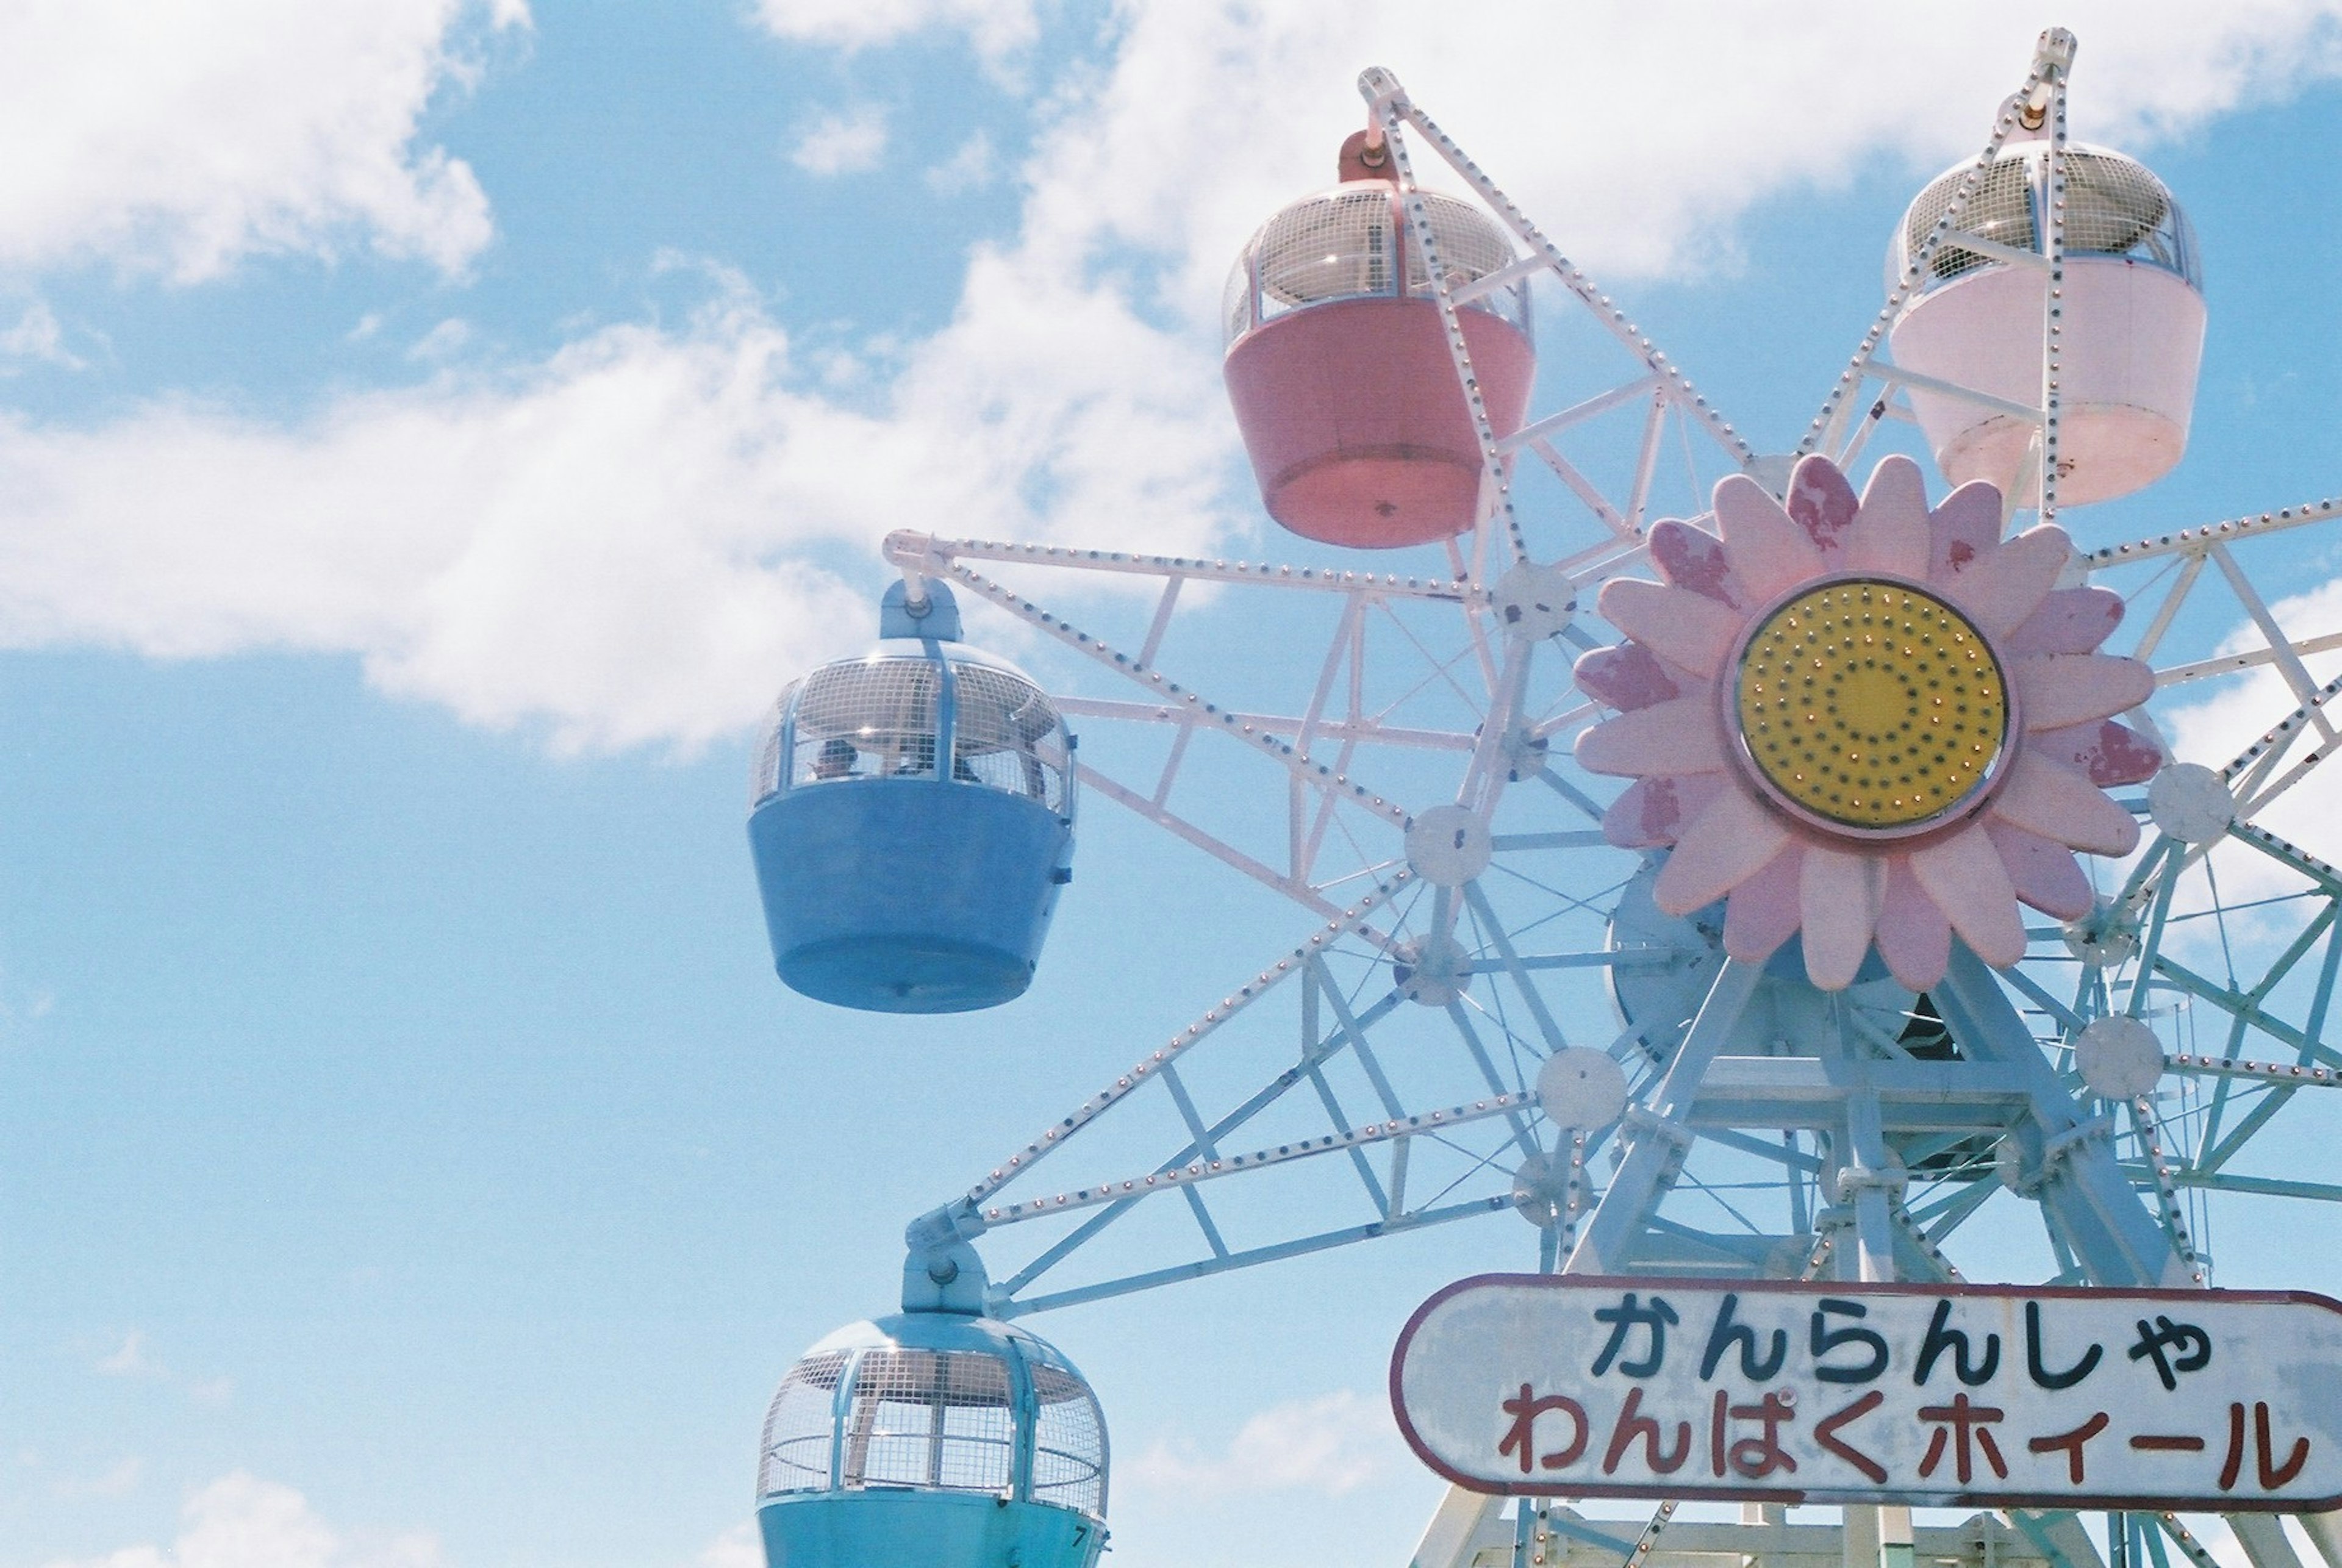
(1344,243)
(908,715)
(2115,206)
(938,1419)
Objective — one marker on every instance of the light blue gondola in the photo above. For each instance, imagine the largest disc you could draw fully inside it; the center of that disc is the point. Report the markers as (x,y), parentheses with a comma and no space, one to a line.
(912,821)
(936,1438)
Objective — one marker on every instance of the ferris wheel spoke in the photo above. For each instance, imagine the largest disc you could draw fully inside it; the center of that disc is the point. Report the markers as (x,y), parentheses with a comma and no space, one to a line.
(916,553)
(1354,1033)
(2243,1008)
(1292,966)
(1585,803)
(1495,502)
(1332,1028)
(2251,658)
(1305,894)
(2183,583)
(2032,990)
(1522,1135)
(1358,1163)
(2248,776)
(1939,1218)
(1388,102)
(1660,1131)
(2195,542)
(1303,728)
(1523,981)
(1010,1306)
(1346,646)
(1538,435)
(2279,648)
(2087,1201)
(2057,52)
(1283,753)
(1664,395)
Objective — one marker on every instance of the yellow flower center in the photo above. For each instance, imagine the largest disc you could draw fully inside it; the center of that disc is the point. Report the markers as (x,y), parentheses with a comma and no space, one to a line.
(1871,704)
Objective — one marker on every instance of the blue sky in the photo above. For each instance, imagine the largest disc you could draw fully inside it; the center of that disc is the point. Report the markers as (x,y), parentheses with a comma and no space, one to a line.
(429,437)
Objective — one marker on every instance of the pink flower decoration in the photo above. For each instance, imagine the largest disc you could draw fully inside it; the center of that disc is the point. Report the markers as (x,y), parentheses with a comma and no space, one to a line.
(1865,722)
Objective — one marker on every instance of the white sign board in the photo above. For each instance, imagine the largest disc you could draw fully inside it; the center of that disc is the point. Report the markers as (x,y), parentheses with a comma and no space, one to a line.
(1777,1392)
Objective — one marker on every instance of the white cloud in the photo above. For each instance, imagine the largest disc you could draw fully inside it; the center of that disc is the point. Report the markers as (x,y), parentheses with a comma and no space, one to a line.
(631,540)
(623,541)
(183,137)
(997,26)
(968,169)
(1636,135)
(443,341)
(850,143)
(735,1548)
(240,1522)
(2236,712)
(37,336)
(132,1360)
(1330,1446)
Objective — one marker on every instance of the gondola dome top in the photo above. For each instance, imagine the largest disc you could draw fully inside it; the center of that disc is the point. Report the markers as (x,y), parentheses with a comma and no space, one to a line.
(919,704)
(2115,206)
(937,1401)
(1344,243)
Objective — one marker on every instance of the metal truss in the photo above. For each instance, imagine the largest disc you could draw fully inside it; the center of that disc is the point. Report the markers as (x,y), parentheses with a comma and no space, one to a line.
(1396,765)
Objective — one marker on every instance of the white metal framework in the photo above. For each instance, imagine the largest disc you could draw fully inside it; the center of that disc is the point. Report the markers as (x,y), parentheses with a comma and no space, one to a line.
(1404,780)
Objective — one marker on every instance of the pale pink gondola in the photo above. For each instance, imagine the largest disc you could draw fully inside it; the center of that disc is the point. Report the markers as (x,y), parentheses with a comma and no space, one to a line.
(1339,367)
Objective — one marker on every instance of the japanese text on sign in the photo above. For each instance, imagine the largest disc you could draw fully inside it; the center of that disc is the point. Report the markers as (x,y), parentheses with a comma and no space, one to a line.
(1966,1394)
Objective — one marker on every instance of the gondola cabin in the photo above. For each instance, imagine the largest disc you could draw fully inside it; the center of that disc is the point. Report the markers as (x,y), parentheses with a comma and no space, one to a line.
(936,1438)
(1339,369)
(2131,316)
(911,819)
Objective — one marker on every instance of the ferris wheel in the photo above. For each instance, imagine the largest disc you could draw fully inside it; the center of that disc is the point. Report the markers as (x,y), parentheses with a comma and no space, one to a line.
(1737,864)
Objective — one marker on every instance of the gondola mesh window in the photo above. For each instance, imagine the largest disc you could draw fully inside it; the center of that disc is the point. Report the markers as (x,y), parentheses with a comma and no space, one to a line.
(1340,246)
(764,777)
(2114,206)
(2000,209)
(934,1419)
(798,1428)
(874,718)
(1007,733)
(1069,1444)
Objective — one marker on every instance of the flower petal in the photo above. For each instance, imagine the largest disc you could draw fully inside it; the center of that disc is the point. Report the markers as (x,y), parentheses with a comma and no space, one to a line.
(2044,875)
(1723,846)
(2053,800)
(1890,533)
(1964,876)
(1821,502)
(1769,553)
(1651,812)
(1683,737)
(1691,558)
(2062,689)
(1838,897)
(1914,937)
(1764,910)
(2005,584)
(1964,528)
(2110,753)
(1680,626)
(1626,676)
(2069,621)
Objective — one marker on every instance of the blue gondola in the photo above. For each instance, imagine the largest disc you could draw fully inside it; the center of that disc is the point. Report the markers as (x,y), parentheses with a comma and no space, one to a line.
(939,1438)
(912,820)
